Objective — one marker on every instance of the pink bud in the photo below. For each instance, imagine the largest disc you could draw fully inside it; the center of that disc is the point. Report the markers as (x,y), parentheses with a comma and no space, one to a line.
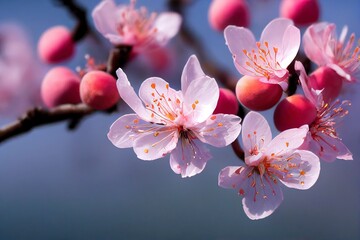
(56,45)
(98,90)
(227,103)
(160,59)
(228,12)
(293,112)
(256,95)
(60,86)
(302,12)
(327,79)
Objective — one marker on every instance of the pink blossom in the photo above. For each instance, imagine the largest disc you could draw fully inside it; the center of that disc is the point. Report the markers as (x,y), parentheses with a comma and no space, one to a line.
(125,25)
(269,161)
(322,138)
(322,46)
(269,57)
(175,122)
(20,74)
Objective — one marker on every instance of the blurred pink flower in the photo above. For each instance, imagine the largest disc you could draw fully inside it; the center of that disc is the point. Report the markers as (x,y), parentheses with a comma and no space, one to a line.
(322,46)
(322,138)
(267,161)
(20,74)
(125,25)
(176,122)
(268,58)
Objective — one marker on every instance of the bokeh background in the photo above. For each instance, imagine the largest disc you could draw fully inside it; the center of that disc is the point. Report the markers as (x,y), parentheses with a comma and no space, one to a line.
(56,184)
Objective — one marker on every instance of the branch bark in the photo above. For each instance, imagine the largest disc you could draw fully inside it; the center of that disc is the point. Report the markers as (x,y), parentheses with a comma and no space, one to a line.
(39,116)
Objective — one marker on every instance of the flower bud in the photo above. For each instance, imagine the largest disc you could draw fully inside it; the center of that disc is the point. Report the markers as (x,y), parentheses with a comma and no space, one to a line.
(293,112)
(228,12)
(327,80)
(60,86)
(98,90)
(227,103)
(256,95)
(302,12)
(56,45)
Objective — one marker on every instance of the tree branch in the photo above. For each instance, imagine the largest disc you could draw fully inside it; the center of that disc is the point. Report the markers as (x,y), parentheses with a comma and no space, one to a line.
(39,116)
(79,13)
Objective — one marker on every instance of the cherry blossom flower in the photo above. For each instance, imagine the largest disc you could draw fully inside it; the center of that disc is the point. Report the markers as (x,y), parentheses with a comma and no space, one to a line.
(175,122)
(269,161)
(322,138)
(20,74)
(269,57)
(125,25)
(322,46)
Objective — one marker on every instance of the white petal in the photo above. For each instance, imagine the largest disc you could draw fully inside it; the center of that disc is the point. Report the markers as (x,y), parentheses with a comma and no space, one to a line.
(256,133)
(129,96)
(189,157)
(290,46)
(218,130)
(200,99)
(162,101)
(261,194)
(239,39)
(192,70)
(302,170)
(274,32)
(122,132)
(156,142)
(167,25)
(105,19)
(287,141)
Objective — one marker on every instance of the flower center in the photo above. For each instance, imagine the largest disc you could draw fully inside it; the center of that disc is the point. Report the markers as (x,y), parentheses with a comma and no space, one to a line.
(344,54)
(136,25)
(162,105)
(263,60)
(326,120)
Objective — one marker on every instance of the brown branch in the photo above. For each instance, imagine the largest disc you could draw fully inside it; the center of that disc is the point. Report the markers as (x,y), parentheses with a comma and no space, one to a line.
(79,13)
(238,150)
(39,116)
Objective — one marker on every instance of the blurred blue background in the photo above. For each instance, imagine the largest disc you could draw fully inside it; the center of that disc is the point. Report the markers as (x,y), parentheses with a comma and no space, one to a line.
(56,184)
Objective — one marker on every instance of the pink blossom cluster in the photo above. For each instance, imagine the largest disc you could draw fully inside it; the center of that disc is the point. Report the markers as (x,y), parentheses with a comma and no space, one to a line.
(181,123)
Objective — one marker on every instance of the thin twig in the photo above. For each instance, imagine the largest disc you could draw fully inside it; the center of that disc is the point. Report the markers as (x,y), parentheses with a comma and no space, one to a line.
(79,13)
(39,116)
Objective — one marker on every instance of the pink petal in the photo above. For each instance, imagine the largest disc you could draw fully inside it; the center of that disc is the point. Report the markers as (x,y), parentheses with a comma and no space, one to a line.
(189,157)
(302,169)
(161,100)
(129,96)
(192,70)
(218,130)
(309,93)
(156,142)
(287,141)
(167,26)
(239,39)
(290,46)
(263,199)
(315,40)
(256,134)
(122,132)
(229,179)
(275,32)
(261,194)
(105,19)
(200,100)
(329,148)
